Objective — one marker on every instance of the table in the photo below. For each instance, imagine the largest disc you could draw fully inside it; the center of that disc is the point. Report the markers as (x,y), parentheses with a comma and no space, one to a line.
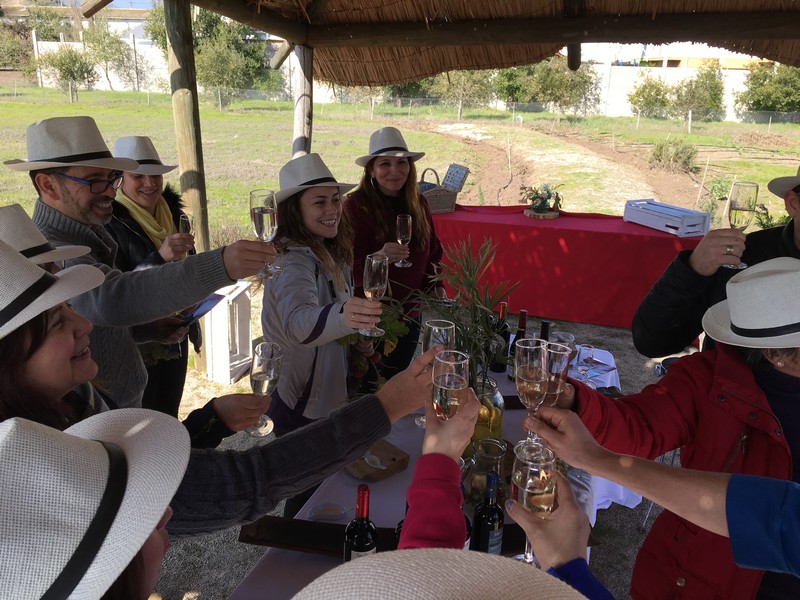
(585,268)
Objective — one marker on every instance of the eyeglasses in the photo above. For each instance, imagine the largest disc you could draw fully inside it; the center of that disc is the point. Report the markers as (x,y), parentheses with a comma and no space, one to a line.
(96,186)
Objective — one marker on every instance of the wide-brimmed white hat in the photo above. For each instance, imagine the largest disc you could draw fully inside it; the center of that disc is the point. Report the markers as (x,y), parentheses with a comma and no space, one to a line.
(78,505)
(141,149)
(762,309)
(388,141)
(68,142)
(436,574)
(305,172)
(18,231)
(27,290)
(780,185)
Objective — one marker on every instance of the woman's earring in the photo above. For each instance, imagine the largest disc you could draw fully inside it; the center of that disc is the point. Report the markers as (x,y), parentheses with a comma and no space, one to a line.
(373,182)
(780,364)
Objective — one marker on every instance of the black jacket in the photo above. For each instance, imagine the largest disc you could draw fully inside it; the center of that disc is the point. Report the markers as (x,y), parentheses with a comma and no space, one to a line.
(670,316)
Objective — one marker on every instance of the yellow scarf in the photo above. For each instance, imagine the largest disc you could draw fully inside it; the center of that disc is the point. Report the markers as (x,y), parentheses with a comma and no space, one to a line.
(158,226)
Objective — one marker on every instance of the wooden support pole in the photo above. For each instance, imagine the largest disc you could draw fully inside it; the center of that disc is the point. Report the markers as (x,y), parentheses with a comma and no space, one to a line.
(186,115)
(303,100)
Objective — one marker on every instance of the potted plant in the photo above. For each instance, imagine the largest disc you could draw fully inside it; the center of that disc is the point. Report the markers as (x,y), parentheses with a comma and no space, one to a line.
(545,201)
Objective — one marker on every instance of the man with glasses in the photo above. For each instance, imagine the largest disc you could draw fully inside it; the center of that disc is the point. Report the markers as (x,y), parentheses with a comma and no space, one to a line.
(76,178)
(669,317)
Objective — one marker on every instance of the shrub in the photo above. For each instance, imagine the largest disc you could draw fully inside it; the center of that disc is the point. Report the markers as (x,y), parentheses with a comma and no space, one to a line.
(765,220)
(650,97)
(226,233)
(673,155)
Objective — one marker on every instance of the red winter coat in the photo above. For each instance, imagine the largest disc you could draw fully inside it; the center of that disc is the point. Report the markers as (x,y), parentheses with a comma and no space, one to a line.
(710,407)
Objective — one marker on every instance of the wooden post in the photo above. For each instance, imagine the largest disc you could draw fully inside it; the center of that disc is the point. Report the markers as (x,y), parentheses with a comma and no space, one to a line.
(186,115)
(303,101)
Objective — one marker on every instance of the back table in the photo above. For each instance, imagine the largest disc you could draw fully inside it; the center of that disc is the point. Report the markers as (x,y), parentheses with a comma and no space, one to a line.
(585,268)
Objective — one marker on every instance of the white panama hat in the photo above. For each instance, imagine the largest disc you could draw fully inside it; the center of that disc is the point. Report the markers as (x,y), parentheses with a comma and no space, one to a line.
(18,231)
(762,309)
(67,142)
(305,172)
(78,505)
(780,185)
(388,141)
(27,290)
(436,574)
(141,149)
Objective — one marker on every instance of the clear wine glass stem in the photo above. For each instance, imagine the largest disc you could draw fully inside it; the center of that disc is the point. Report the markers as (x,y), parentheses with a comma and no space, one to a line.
(528,555)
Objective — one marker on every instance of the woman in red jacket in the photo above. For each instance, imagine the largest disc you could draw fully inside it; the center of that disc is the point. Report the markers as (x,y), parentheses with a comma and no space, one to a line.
(388,188)
(733,409)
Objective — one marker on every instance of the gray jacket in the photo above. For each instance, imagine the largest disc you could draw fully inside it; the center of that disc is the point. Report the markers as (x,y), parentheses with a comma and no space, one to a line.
(302,312)
(127,299)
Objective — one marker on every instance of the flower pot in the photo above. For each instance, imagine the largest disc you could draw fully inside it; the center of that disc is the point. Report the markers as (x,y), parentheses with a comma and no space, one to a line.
(550,214)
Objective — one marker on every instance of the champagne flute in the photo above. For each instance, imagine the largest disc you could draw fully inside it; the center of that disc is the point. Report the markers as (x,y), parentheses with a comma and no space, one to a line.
(531,376)
(533,484)
(558,356)
(265,368)
(742,209)
(186,224)
(450,376)
(436,332)
(585,361)
(264,215)
(376,278)
(403,237)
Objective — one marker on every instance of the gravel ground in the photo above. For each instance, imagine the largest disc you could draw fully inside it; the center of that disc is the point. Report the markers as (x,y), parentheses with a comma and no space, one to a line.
(209,567)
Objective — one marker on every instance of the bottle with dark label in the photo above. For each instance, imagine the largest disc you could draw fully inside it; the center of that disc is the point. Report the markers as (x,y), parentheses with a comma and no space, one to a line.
(544,332)
(398,529)
(499,347)
(360,535)
(487,524)
(519,335)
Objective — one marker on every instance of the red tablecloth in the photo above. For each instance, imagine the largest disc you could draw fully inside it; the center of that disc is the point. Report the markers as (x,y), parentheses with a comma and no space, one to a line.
(586,268)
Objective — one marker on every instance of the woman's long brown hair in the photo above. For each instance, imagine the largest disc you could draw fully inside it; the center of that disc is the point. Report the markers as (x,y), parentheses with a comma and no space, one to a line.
(330,252)
(382,216)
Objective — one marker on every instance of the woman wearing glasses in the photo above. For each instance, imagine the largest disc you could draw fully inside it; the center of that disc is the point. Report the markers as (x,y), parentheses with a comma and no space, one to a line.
(146,227)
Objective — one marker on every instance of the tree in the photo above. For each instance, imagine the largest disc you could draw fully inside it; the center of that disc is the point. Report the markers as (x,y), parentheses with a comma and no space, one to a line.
(70,69)
(650,97)
(514,84)
(552,81)
(771,87)
(459,87)
(106,49)
(48,24)
(15,50)
(701,94)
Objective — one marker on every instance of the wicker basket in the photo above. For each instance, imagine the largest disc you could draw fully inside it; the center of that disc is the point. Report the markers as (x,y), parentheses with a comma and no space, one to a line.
(440,200)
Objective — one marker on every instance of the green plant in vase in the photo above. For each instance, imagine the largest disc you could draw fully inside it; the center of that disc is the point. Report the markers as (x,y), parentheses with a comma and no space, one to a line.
(471,309)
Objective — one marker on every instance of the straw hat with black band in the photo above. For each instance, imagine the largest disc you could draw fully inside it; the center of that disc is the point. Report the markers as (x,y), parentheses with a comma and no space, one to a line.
(388,141)
(28,290)
(762,309)
(304,172)
(18,231)
(68,142)
(141,149)
(78,505)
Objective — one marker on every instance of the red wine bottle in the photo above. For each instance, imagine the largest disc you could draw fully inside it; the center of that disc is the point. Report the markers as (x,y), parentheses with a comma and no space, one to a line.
(544,332)
(519,335)
(398,529)
(487,524)
(360,535)
(499,347)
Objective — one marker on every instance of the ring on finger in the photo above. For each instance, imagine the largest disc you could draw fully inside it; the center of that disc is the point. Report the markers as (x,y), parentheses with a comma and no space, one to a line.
(728,250)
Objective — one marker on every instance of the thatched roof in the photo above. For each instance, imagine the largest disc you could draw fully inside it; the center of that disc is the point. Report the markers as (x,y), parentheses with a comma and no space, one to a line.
(377,42)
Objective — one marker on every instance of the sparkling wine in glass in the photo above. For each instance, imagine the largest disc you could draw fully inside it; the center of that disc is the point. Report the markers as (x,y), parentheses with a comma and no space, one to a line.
(742,209)
(436,332)
(531,375)
(450,377)
(376,278)
(533,484)
(558,356)
(186,224)
(265,368)
(403,237)
(264,216)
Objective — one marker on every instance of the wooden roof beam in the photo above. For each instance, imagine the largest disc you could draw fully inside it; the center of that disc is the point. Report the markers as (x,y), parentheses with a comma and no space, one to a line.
(89,8)
(697,27)
(264,20)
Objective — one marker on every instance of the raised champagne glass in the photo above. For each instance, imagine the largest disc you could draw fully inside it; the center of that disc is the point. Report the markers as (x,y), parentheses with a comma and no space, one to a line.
(531,375)
(403,237)
(186,224)
(376,278)
(265,368)
(264,216)
(450,380)
(436,332)
(533,484)
(742,209)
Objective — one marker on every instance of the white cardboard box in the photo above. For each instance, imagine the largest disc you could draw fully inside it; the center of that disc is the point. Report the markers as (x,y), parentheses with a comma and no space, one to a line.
(665,217)
(227,339)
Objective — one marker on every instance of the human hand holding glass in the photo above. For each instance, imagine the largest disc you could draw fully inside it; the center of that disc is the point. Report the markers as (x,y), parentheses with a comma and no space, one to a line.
(404,230)
(533,484)
(436,332)
(531,376)
(264,216)
(376,278)
(186,224)
(742,209)
(265,369)
(450,381)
